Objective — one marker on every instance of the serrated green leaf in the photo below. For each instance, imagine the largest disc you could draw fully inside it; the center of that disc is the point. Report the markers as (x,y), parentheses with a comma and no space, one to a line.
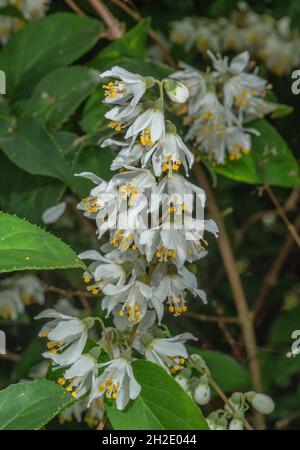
(30,406)
(161,405)
(44,45)
(25,246)
(30,147)
(270,160)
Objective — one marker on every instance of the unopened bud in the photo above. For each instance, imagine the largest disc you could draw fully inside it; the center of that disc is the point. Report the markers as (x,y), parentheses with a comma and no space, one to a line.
(176,91)
(202,394)
(263,403)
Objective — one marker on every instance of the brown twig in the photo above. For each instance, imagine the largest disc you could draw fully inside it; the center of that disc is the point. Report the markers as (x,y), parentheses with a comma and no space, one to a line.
(226,400)
(236,350)
(153,35)
(272,275)
(115,29)
(283,215)
(206,318)
(244,314)
(282,423)
(72,5)
(70,293)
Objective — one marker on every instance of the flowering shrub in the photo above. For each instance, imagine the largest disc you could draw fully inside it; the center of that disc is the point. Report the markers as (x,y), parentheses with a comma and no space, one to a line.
(112,225)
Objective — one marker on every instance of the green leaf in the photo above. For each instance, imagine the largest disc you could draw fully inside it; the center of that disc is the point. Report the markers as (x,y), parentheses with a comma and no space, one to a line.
(54,102)
(270,160)
(132,44)
(30,356)
(30,406)
(227,373)
(29,145)
(44,45)
(25,246)
(25,195)
(93,119)
(161,405)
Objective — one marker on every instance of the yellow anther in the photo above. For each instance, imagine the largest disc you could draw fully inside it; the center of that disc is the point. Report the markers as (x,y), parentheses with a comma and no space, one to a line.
(74,394)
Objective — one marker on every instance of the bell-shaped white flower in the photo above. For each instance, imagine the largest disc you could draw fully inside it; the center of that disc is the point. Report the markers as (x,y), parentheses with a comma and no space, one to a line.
(169,353)
(105,270)
(135,298)
(169,155)
(67,337)
(116,382)
(150,125)
(127,156)
(180,245)
(129,87)
(33,9)
(80,377)
(177,91)
(173,286)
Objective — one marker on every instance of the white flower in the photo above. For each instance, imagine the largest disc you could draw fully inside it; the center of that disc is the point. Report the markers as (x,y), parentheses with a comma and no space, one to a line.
(172,287)
(67,337)
(122,116)
(128,155)
(117,382)
(168,155)
(130,87)
(80,377)
(11,305)
(202,394)
(179,245)
(151,126)
(177,91)
(135,298)
(105,270)
(169,353)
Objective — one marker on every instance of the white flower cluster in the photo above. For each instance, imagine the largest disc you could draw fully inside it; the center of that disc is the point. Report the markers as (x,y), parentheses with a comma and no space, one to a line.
(220,104)
(29,9)
(17,292)
(266,39)
(141,268)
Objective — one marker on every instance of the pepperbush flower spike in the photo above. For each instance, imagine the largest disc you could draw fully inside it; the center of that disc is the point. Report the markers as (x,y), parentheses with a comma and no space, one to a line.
(67,336)
(116,382)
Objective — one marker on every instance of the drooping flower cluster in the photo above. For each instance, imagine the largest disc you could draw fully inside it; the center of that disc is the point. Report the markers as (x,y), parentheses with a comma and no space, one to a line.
(17,292)
(146,215)
(266,39)
(29,9)
(220,104)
